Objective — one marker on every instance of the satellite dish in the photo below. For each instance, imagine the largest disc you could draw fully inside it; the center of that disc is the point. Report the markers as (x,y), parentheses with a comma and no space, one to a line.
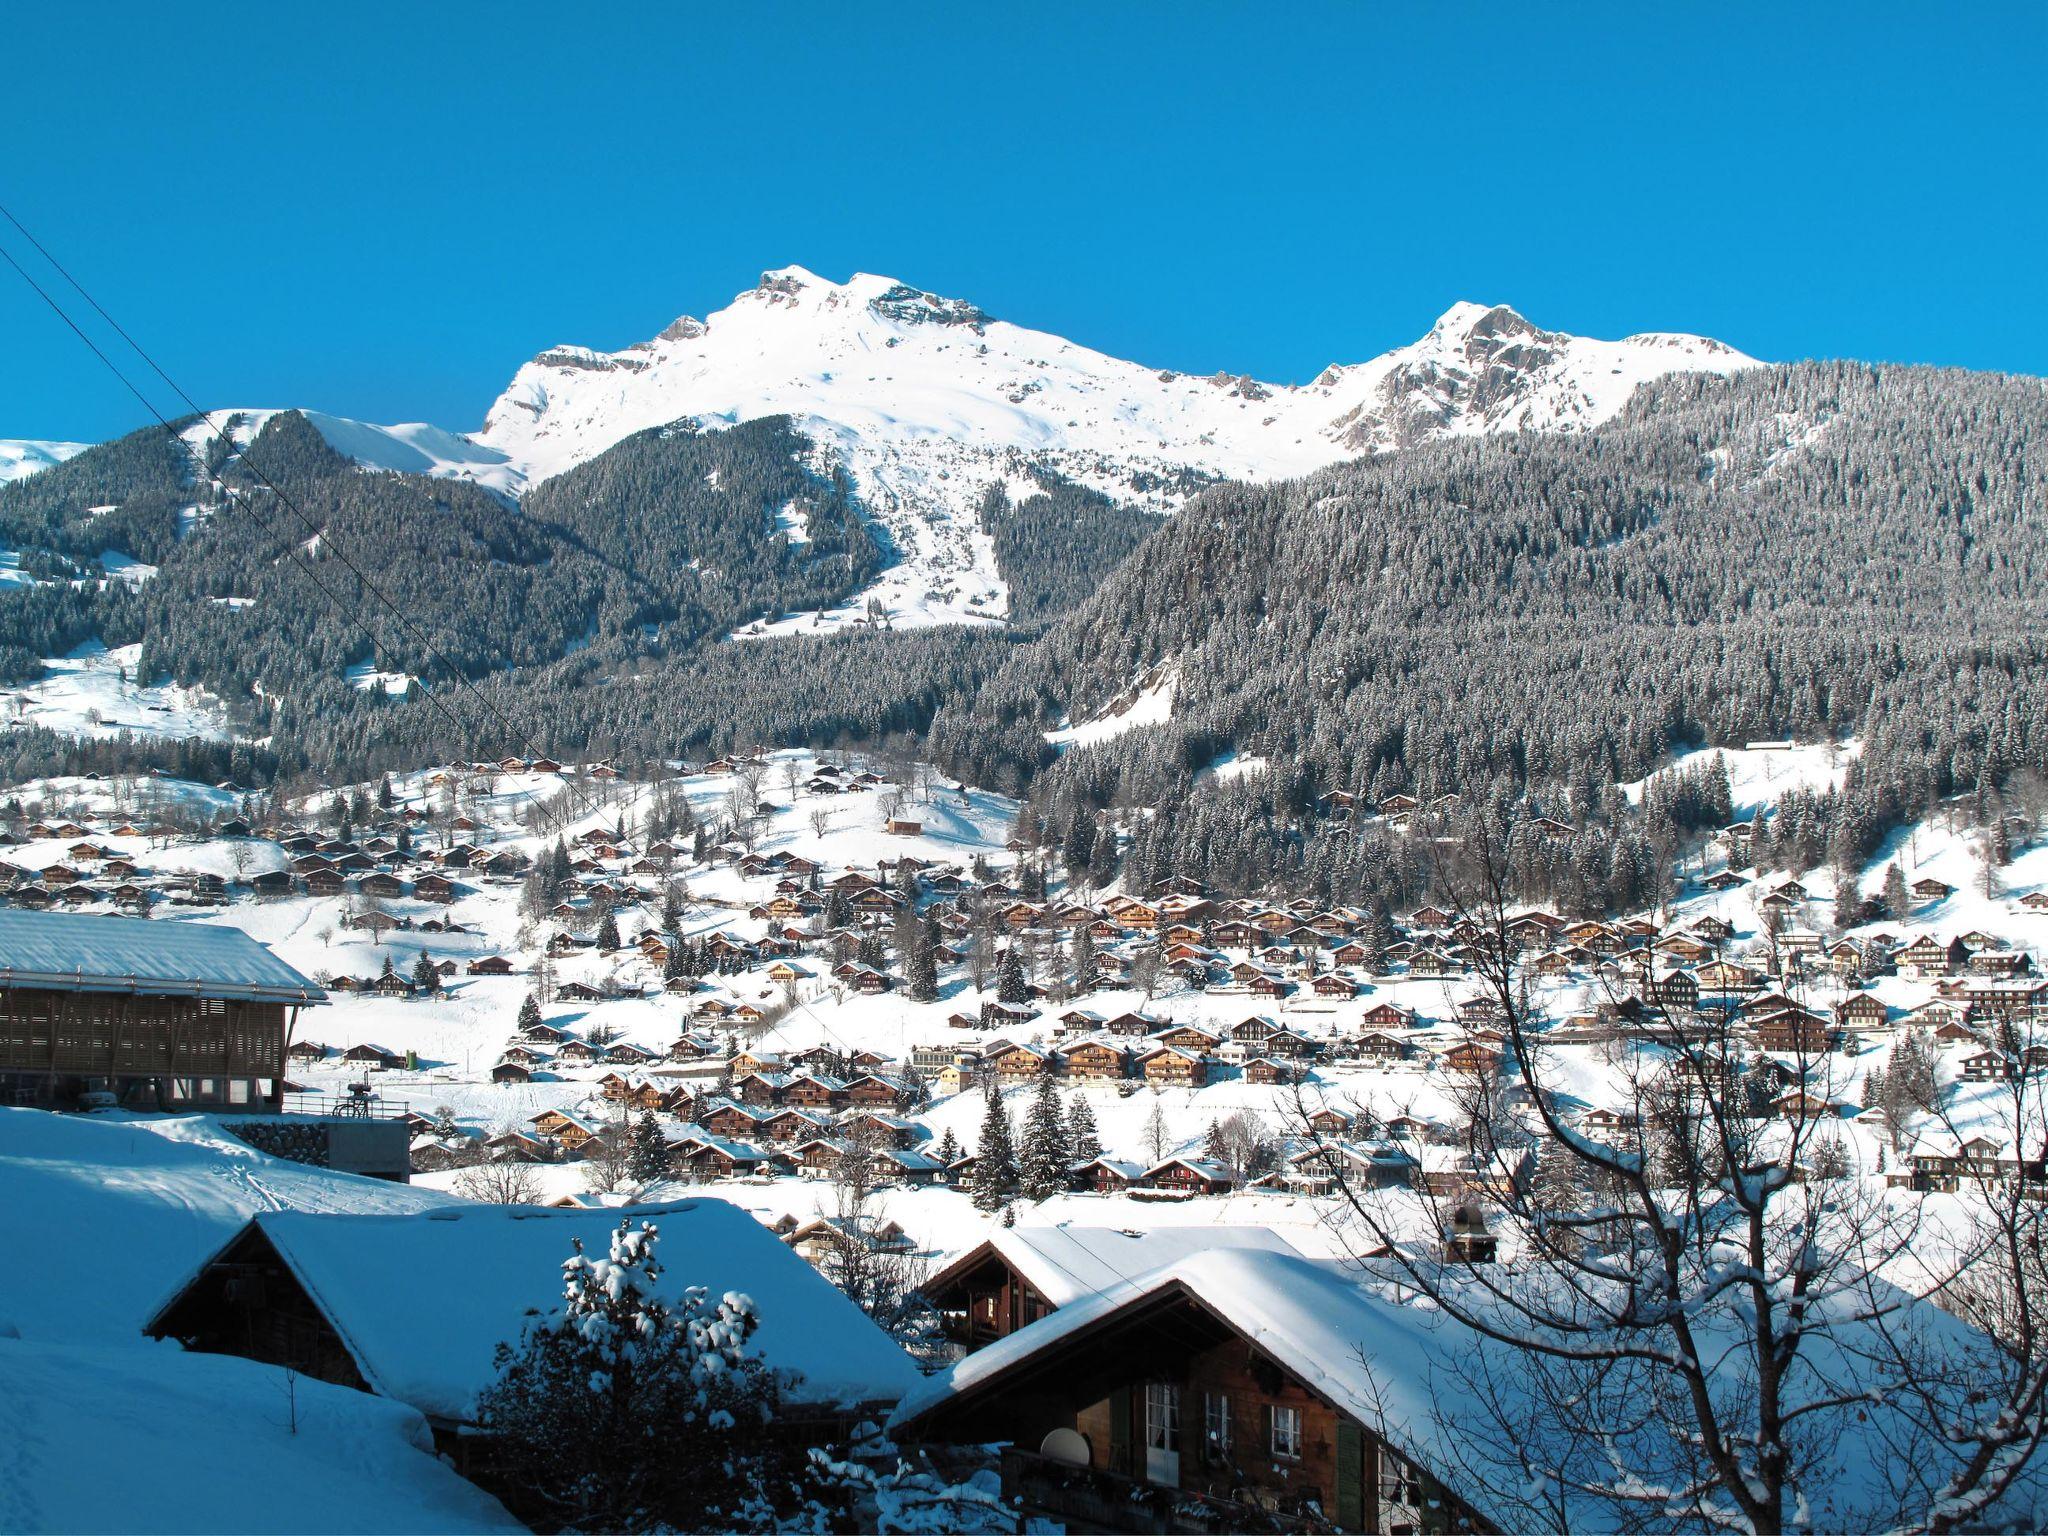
(1066,1446)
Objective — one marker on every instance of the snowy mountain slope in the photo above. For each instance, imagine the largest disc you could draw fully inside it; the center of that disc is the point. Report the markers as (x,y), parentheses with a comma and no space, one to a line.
(893,364)
(927,399)
(21,457)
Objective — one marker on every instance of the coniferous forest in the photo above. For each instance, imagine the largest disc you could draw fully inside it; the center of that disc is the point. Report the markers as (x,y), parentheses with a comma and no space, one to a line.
(1819,551)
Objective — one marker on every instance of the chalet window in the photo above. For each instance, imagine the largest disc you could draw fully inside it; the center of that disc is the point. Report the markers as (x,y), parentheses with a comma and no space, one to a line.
(1286,1432)
(1216,1422)
(1400,1483)
(1162,1416)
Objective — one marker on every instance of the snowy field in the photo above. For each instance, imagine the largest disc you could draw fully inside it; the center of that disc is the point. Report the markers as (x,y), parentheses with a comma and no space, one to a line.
(92,691)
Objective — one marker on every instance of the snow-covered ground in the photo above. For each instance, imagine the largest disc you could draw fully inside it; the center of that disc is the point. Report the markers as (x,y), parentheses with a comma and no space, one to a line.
(1147,702)
(1762,773)
(148,1438)
(93,691)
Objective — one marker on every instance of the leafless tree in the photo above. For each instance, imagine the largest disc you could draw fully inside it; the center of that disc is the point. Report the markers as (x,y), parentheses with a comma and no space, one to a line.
(866,1257)
(1681,1322)
(821,820)
(499,1182)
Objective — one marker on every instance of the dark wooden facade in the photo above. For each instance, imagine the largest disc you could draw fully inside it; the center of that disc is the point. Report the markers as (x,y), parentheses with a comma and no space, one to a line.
(248,1302)
(981,1297)
(169,1052)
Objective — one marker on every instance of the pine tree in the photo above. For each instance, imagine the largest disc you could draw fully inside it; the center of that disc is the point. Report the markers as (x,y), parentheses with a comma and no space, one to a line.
(1085,974)
(1898,902)
(426,979)
(1011,986)
(529,1015)
(995,1159)
(646,1152)
(1081,1133)
(921,966)
(870,952)
(608,932)
(1047,1153)
(948,1151)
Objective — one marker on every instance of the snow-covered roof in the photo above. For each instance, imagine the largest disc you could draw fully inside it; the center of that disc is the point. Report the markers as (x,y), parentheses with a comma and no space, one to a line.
(126,954)
(422,1302)
(1066,1263)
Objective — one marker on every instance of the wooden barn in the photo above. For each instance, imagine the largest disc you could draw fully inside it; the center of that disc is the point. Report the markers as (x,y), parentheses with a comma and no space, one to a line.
(163,1015)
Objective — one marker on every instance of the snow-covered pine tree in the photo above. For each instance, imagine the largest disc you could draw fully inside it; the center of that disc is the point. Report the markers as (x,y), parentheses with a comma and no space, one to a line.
(921,966)
(1085,974)
(608,932)
(995,1159)
(1042,1169)
(948,1151)
(1011,986)
(646,1151)
(620,1368)
(426,980)
(1082,1136)
(1898,902)
(529,1015)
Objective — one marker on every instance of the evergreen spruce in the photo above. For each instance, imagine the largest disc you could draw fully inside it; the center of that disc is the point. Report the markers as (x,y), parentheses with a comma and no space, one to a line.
(1086,978)
(921,966)
(646,1151)
(1011,986)
(426,980)
(1082,1136)
(1047,1149)
(995,1158)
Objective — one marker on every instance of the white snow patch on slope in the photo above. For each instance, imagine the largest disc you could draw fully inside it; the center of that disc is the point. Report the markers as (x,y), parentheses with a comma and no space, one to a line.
(1150,704)
(416,448)
(364,675)
(125,567)
(21,457)
(1761,774)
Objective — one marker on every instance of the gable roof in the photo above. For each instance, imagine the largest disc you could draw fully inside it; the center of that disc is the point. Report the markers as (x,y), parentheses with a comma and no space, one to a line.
(1065,1263)
(76,953)
(433,1345)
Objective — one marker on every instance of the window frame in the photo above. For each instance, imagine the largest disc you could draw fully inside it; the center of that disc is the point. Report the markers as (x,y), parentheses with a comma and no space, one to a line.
(1276,1415)
(1165,1397)
(1218,1423)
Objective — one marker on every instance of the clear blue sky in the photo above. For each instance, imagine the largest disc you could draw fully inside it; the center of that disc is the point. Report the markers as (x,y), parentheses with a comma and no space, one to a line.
(383,211)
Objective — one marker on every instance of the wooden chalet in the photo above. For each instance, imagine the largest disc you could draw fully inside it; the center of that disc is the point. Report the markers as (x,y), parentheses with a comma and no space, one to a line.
(1180,1407)
(161,1015)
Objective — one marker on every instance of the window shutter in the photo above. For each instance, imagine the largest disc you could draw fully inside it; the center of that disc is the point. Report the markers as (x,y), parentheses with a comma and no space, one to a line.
(1350,1475)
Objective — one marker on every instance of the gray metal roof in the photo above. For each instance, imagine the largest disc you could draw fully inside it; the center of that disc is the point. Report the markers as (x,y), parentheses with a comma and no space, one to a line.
(78,953)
